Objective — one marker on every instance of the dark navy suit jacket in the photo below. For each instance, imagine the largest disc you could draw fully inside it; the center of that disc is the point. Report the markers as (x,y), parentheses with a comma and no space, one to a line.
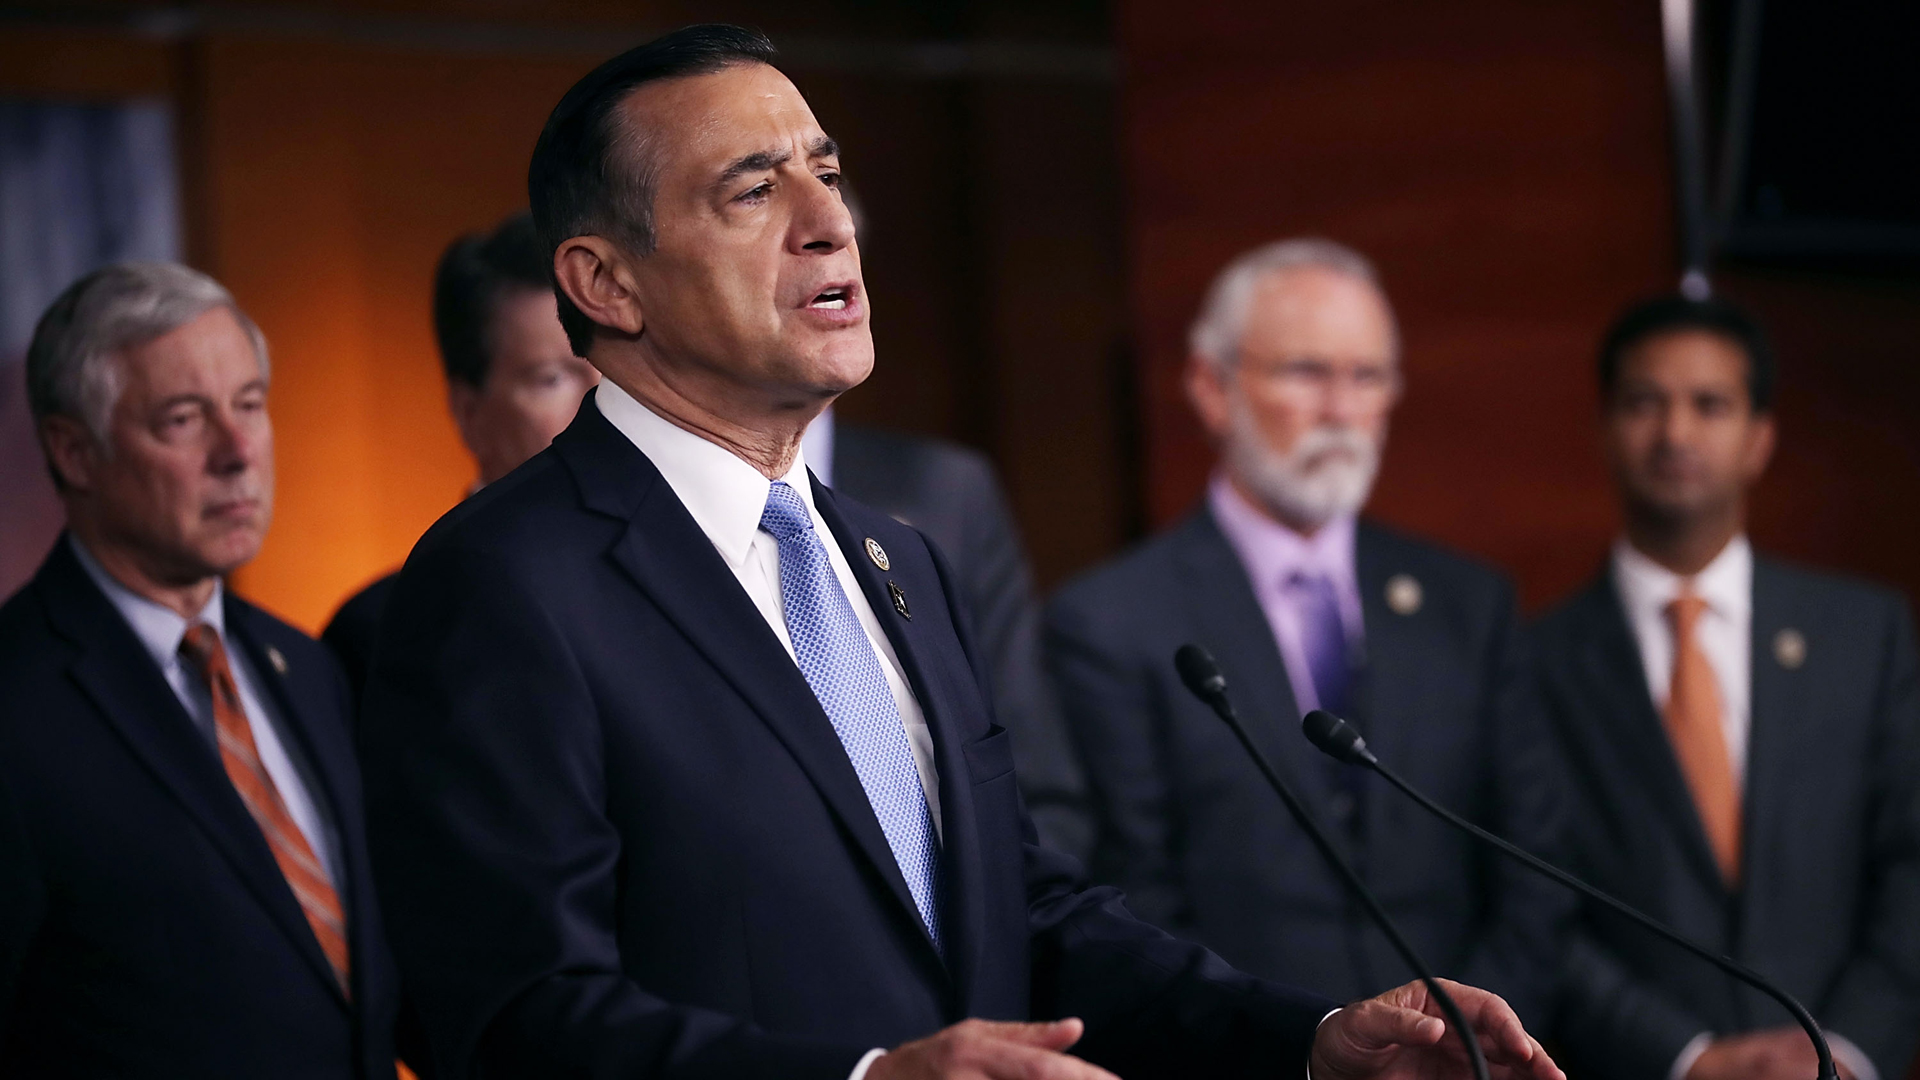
(949,494)
(1201,844)
(619,838)
(1830,901)
(145,929)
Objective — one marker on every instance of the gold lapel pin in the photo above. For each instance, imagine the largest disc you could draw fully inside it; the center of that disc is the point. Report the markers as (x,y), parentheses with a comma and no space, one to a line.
(1404,595)
(278,661)
(1790,648)
(899,596)
(878,554)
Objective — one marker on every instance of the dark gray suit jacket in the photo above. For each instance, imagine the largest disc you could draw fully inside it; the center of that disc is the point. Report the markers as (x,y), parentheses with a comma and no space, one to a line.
(949,493)
(1831,902)
(1202,846)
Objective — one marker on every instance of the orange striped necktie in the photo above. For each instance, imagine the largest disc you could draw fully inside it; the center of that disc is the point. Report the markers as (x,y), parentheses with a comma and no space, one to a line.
(202,649)
(1699,742)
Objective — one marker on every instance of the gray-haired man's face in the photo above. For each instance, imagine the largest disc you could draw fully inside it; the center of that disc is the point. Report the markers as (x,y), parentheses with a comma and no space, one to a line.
(185,482)
(1301,416)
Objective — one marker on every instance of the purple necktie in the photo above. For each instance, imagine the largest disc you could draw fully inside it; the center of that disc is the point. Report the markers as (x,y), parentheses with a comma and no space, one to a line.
(1323,640)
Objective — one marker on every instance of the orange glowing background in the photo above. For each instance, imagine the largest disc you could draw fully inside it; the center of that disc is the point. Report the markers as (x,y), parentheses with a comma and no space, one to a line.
(334,177)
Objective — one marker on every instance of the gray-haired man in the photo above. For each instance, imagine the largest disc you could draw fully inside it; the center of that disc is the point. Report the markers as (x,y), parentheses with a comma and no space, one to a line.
(1295,371)
(184,888)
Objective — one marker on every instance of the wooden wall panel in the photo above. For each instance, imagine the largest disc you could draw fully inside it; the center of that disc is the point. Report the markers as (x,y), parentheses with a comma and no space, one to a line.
(335,176)
(1507,166)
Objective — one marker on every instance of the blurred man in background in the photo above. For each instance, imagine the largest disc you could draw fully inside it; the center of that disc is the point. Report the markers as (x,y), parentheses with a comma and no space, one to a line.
(1745,741)
(512,382)
(1294,372)
(184,886)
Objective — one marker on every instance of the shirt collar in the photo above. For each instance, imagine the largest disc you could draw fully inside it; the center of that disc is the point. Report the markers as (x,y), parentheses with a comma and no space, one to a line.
(1272,552)
(818,445)
(158,627)
(725,495)
(1726,583)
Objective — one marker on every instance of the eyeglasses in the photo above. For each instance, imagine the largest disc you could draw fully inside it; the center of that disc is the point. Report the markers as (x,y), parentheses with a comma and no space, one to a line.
(1314,376)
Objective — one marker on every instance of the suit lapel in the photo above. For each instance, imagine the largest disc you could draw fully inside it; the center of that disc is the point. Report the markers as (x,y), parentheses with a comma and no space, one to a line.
(674,564)
(1779,694)
(1237,633)
(116,672)
(1613,674)
(1390,678)
(963,907)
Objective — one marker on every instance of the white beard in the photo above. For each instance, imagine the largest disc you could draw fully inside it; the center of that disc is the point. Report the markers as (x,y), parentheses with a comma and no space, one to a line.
(1328,473)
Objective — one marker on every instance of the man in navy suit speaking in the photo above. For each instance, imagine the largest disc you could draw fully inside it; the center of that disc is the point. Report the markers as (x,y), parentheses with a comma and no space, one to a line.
(681,766)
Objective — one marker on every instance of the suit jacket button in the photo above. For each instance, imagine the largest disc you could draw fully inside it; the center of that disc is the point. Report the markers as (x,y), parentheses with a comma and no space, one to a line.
(1404,595)
(1790,648)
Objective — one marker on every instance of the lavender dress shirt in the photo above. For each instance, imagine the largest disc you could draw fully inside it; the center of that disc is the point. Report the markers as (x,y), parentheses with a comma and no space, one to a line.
(1275,555)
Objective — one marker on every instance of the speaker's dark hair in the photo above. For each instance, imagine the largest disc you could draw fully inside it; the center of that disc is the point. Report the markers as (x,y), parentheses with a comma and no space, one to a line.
(475,273)
(591,173)
(1666,314)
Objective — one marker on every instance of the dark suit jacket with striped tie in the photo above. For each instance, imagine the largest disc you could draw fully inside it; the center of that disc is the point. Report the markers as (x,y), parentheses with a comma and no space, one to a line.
(619,838)
(145,929)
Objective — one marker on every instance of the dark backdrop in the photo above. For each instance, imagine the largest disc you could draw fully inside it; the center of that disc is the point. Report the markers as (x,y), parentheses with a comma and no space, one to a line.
(1507,165)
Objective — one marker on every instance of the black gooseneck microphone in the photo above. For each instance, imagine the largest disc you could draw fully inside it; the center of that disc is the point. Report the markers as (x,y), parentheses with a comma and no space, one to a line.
(1204,680)
(1339,740)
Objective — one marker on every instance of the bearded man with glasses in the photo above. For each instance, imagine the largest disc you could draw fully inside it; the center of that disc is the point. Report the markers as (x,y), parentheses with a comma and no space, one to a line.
(1294,372)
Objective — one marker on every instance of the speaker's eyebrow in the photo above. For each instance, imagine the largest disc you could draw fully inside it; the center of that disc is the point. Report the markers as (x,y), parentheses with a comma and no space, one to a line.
(760,161)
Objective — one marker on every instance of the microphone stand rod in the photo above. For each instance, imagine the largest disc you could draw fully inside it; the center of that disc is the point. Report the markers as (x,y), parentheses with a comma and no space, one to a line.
(1619,907)
(1468,1037)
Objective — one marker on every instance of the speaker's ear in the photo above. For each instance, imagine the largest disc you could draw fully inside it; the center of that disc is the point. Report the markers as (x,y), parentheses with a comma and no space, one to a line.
(594,274)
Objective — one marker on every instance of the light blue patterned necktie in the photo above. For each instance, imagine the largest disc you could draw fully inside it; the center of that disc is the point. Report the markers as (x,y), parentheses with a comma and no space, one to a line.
(843,669)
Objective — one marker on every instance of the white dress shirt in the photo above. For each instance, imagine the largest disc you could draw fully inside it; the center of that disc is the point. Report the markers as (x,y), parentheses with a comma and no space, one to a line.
(1725,635)
(1724,632)
(817,445)
(160,629)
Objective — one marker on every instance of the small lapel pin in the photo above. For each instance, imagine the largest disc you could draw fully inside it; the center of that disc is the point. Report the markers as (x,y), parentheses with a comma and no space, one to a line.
(878,554)
(278,661)
(899,596)
(1404,594)
(1790,648)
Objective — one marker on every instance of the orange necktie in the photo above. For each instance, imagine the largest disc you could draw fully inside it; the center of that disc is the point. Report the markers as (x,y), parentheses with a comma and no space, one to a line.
(202,649)
(1700,744)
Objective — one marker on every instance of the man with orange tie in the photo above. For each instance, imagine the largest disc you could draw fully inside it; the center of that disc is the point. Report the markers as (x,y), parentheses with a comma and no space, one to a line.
(184,887)
(1744,738)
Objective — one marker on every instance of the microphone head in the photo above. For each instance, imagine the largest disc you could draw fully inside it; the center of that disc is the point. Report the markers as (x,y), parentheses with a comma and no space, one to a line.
(1199,671)
(1336,738)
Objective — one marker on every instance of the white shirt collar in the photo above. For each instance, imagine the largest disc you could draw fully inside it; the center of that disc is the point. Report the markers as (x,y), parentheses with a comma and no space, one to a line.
(1726,583)
(158,627)
(817,443)
(725,495)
